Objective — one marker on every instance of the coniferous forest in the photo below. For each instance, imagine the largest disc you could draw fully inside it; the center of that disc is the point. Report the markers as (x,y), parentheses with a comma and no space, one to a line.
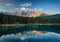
(11,19)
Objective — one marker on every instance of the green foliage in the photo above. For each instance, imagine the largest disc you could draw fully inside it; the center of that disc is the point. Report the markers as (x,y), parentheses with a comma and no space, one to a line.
(12,19)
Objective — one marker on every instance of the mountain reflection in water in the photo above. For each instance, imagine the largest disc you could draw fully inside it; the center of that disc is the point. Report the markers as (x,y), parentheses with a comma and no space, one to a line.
(31,36)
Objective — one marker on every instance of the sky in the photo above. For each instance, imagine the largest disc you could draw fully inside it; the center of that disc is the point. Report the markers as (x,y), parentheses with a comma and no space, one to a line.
(47,6)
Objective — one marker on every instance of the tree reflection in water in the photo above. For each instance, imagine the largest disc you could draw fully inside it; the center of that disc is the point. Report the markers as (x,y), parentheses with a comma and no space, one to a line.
(31,36)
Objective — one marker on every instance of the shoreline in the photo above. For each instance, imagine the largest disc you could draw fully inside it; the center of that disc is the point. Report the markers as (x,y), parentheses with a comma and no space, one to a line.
(29,24)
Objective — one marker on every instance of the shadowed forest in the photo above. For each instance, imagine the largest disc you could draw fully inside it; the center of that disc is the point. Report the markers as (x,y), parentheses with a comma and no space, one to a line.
(11,19)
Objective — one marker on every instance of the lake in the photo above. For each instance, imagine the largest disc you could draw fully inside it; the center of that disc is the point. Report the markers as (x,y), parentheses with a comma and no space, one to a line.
(30,33)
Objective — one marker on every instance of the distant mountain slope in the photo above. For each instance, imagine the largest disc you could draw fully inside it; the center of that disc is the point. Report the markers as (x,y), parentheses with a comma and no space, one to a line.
(28,13)
(10,19)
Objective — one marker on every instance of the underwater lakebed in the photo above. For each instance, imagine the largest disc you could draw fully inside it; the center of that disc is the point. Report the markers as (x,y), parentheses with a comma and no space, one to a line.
(30,33)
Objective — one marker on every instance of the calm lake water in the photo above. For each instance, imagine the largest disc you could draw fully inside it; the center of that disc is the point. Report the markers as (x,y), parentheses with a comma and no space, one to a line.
(30,33)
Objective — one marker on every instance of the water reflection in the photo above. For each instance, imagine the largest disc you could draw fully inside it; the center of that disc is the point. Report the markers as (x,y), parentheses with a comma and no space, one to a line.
(31,36)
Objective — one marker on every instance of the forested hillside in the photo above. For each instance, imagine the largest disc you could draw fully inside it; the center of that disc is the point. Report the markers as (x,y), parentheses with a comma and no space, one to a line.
(11,19)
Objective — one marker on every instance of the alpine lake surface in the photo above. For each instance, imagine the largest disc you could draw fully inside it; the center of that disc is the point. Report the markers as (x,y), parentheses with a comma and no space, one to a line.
(30,33)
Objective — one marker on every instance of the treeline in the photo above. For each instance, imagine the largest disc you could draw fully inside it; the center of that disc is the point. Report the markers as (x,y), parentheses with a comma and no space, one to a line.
(11,19)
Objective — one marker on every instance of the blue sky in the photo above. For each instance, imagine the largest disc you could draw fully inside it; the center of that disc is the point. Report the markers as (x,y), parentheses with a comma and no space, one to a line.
(48,6)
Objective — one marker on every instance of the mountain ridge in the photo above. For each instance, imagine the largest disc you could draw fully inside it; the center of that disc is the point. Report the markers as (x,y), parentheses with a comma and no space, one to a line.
(28,13)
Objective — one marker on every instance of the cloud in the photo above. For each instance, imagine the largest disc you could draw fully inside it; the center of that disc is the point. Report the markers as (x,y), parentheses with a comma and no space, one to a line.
(23,8)
(26,4)
(16,8)
(28,9)
(8,4)
(1,3)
